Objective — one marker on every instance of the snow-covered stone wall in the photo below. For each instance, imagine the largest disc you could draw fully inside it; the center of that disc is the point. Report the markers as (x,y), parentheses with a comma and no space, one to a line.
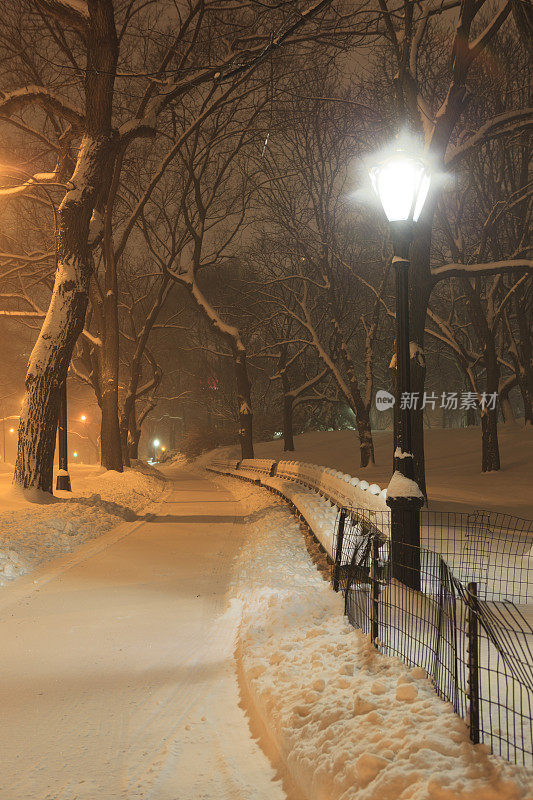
(316,492)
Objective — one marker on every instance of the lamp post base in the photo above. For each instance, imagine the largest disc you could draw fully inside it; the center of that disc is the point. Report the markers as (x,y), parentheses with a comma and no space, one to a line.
(405,540)
(63,483)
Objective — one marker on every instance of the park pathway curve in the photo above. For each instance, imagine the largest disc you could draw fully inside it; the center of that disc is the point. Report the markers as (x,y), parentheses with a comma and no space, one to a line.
(117,676)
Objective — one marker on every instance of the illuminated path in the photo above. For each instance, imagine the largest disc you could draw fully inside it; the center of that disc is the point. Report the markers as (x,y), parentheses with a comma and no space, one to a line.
(117,677)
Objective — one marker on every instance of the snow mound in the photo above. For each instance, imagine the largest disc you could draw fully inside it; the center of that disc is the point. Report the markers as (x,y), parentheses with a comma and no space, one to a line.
(32,533)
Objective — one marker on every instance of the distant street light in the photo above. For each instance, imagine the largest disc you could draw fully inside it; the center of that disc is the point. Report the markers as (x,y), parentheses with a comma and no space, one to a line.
(75,455)
(401,181)
(12,430)
(83,418)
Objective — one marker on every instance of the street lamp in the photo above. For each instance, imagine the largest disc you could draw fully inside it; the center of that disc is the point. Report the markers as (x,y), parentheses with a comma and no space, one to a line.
(156,444)
(63,478)
(83,418)
(401,181)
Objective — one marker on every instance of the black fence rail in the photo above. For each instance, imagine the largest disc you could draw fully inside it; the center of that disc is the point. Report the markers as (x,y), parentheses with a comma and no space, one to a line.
(467,627)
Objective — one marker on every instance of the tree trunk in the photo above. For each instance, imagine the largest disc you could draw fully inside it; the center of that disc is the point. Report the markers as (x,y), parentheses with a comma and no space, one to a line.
(471,421)
(507,409)
(527,399)
(47,370)
(133,444)
(64,320)
(244,400)
(366,443)
(362,413)
(127,425)
(111,447)
(79,228)
(490,453)
(288,438)
(111,450)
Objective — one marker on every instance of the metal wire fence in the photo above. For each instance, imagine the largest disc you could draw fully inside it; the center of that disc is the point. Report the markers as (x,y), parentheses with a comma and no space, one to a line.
(469,626)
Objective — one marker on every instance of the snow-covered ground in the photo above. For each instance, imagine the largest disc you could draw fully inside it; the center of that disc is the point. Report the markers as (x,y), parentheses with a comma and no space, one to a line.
(120,679)
(347,722)
(453,465)
(34,533)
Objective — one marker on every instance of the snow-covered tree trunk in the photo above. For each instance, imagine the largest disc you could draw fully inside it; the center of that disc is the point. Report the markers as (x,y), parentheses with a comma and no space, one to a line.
(79,227)
(65,318)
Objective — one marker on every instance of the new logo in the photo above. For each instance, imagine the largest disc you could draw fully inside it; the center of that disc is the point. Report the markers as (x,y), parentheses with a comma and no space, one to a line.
(384,400)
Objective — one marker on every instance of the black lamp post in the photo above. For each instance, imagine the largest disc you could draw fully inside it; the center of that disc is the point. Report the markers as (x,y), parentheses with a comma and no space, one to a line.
(63,478)
(402,183)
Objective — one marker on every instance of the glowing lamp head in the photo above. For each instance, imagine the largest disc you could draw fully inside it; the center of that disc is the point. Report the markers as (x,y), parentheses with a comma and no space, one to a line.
(83,418)
(156,442)
(401,181)
(12,430)
(163,448)
(75,455)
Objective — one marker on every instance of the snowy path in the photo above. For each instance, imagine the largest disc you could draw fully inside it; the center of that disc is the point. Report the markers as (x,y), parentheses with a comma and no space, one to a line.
(117,677)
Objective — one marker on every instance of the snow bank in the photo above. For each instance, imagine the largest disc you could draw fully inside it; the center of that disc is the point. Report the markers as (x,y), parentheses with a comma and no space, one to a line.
(348,722)
(32,533)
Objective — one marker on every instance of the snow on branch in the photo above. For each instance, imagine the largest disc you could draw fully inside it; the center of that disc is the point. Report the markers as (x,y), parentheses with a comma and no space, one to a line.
(484,268)
(95,340)
(502,125)
(33,258)
(71,12)
(479,44)
(19,99)
(22,314)
(38,179)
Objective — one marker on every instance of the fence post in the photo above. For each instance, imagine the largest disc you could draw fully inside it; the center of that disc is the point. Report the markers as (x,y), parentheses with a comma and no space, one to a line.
(374,630)
(338,550)
(473,663)
(440,614)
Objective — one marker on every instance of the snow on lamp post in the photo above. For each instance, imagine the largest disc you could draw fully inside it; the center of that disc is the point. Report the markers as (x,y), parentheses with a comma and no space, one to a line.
(401,181)
(63,478)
